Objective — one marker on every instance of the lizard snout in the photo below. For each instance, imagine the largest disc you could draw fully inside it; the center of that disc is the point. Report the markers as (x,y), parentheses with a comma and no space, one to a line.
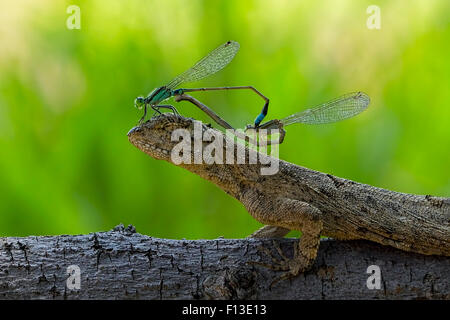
(134,130)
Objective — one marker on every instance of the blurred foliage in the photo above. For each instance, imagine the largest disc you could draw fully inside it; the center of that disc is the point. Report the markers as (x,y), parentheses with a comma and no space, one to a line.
(66,104)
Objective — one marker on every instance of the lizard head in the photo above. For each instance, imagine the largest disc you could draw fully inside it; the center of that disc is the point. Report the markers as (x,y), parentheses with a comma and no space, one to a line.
(154,137)
(174,139)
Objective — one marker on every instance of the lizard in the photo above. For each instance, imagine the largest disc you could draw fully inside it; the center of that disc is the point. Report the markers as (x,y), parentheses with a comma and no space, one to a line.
(315,203)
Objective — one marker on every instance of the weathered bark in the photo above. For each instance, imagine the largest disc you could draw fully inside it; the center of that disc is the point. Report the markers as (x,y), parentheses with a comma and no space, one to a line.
(122,264)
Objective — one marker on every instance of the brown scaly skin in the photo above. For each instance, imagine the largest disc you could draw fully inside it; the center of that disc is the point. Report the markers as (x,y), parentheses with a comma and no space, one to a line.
(297,198)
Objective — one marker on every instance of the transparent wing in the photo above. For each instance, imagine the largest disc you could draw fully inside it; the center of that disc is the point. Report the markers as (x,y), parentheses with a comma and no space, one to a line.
(213,62)
(341,108)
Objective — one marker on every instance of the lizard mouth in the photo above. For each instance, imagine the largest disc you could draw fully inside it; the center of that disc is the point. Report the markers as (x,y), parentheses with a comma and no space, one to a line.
(136,137)
(153,148)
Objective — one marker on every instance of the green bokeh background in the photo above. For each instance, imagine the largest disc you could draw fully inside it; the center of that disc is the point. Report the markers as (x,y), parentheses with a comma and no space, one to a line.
(66,104)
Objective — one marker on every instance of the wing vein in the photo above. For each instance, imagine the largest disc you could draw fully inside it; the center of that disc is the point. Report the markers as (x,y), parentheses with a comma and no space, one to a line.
(215,61)
(341,108)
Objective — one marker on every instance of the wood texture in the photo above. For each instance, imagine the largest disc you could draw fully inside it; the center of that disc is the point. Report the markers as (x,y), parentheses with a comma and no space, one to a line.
(123,264)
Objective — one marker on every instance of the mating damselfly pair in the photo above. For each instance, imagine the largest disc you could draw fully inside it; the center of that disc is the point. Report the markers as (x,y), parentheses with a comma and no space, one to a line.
(335,110)
(215,61)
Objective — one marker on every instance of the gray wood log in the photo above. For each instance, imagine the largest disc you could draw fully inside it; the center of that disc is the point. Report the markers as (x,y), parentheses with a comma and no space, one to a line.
(123,264)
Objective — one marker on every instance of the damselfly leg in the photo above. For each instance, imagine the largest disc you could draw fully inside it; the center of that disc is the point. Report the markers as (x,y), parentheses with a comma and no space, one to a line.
(168,106)
(141,120)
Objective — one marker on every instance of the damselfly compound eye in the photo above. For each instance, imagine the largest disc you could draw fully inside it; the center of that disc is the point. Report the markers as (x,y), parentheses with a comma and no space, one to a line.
(139,102)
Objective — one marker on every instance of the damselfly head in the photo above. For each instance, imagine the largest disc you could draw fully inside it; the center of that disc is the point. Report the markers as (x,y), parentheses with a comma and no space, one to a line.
(139,102)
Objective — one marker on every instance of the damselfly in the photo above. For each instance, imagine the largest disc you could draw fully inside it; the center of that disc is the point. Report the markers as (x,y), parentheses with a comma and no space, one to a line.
(210,64)
(344,107)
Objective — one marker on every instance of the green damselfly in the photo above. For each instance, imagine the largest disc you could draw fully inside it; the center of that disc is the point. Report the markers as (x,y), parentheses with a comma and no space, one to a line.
(341,108)
(215,61)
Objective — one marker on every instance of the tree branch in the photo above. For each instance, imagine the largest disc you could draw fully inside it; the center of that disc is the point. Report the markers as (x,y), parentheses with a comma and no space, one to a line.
(122,264)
